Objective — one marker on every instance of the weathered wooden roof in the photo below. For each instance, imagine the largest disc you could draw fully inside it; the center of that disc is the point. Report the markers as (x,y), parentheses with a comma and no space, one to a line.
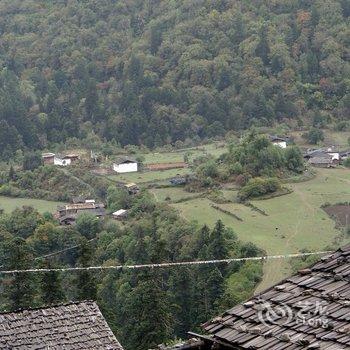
(283,317)
(123,160)
(71,326)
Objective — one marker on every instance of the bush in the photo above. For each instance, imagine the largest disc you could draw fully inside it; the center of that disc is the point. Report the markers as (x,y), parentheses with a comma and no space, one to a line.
(314,136)
(347,162)
(294,159)
(258,187)
(32,160)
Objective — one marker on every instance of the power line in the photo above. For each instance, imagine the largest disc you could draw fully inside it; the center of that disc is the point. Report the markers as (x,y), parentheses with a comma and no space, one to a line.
(163,265)
(63,250)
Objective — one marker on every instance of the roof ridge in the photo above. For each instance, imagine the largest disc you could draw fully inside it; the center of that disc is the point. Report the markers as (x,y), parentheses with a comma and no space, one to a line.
(51,306)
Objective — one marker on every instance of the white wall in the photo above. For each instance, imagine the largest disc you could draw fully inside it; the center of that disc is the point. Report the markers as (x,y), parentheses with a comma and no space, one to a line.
(282,144)
(335,155)
(62,162)
(125,167)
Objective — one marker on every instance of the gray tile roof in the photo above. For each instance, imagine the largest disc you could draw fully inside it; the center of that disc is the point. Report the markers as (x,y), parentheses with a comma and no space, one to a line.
(327,283)
(71,326)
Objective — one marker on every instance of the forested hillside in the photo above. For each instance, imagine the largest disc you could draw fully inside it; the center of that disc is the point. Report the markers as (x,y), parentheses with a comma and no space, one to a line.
(153,72)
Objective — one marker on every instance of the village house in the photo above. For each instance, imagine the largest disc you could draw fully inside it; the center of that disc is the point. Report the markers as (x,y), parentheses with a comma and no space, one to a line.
(125,165)
(61,160)
(48,158)
(279,141)
(64,160)
(68,214)
(120,214)
(322,162)
(323,158)
(309,310)
(132,188)
(79,325)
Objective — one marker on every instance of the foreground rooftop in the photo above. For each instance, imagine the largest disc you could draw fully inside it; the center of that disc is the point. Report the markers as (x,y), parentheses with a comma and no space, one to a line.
(71,326)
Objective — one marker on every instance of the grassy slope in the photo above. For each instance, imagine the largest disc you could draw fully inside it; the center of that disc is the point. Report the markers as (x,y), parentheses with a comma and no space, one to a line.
(174,193)
(9,204)
(300,221)
(147,176)
(165,157)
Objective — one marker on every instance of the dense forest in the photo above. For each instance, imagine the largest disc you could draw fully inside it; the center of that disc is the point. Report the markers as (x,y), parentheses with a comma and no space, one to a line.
(143,307)
(154,72)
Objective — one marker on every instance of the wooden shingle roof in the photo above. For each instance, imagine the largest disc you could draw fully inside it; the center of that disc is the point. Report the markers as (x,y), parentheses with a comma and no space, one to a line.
(70,326)
(285,316)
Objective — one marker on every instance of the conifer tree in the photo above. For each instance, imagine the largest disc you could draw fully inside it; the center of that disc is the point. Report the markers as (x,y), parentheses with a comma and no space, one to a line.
(149,312)
(86,282)
(51,286)
(218,246)
(21,290)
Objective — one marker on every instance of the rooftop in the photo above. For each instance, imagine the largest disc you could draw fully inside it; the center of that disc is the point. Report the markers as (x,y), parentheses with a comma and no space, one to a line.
(71,326)
(122,160)
(281,317)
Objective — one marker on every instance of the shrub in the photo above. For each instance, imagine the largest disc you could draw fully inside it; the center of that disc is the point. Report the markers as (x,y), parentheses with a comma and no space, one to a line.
(314,136)
(347,162)
(294,159)
(258,187)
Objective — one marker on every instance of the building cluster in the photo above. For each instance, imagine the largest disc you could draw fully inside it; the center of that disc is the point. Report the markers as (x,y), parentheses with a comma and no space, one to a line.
(328,157)
(61,160)
(68,214)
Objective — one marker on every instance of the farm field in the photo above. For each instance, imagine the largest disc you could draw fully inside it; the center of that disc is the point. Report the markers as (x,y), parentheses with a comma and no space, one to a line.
(174,193)
(294,222)
(9,204)
(148,176)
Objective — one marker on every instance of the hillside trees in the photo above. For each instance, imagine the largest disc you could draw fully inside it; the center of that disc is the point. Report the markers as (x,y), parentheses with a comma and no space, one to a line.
(166,71)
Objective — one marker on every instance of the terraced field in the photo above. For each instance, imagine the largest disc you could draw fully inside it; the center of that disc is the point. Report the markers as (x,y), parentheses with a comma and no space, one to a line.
(293,222)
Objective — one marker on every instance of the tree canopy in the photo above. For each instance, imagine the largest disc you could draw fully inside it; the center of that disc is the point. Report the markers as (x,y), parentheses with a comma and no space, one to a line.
(155,72)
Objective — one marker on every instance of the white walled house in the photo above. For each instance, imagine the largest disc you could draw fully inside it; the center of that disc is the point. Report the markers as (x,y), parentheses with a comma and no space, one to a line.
(333,153)
(62,161)
(125,165)
(278,141)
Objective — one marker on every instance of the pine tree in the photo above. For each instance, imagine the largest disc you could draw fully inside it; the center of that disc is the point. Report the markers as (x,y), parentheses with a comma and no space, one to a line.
(51,287)
(21,290)
(150,321)
(263,50)
(86,283)
(218,246)
(12,174)
(182,289)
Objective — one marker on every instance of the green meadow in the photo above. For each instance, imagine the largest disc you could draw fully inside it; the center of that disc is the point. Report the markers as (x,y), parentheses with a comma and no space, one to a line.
(295,221)
(8,204)
(148,176)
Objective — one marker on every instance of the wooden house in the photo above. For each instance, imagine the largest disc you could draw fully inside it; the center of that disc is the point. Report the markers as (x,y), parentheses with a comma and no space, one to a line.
(279,141)
(322,162)
(120,214)
(132,188)
(79,325)
(48,158)
(68,214)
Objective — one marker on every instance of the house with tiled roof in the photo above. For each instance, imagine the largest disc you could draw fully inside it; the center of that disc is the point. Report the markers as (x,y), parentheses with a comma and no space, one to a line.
(71,326)
(309,310)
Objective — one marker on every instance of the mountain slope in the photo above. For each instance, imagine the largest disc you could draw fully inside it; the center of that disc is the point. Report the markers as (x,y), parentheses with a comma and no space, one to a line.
(154,72)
